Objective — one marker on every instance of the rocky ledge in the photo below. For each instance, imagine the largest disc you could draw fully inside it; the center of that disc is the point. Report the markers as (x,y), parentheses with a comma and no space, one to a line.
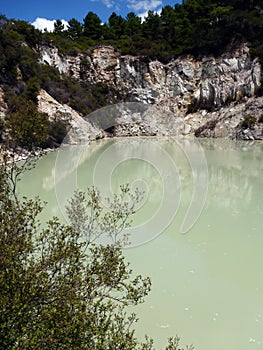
(241,120)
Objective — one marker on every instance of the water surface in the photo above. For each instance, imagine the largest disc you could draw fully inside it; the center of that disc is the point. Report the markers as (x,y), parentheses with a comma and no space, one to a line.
(207,282)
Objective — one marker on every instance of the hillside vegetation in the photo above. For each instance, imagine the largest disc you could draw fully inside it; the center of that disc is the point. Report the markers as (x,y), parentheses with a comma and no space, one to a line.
(196,27)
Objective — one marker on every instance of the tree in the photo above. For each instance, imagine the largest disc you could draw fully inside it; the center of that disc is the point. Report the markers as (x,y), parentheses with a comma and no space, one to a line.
(168,19)
(92,26)
(152,25)
(75,29)
(132,25)
(31,34)
(25,127)
(116,26)
(58,27)
(59,289)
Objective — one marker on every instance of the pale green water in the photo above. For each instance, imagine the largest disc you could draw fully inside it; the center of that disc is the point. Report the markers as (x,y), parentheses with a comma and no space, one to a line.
(207,283)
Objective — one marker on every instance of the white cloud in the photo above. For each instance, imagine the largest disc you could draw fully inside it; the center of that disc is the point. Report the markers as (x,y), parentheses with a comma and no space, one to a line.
(108,3)
(43,23)
(143,5)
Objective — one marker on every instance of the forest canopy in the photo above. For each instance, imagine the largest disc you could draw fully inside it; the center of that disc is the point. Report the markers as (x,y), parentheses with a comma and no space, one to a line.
(195,26)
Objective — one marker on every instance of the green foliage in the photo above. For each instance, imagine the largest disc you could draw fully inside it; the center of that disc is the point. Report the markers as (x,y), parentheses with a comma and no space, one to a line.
(60,290)
(75,29)
(83,97)
(173,344)
(18,41)
(57,131)
(193,106)
(92,26)
(24,125)
(133,25)
(29,33)
(248,122)
(195,26)
(115,28)
(58,27)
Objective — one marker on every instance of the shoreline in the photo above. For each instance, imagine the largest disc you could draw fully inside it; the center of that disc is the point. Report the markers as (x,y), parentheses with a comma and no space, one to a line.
(24,155)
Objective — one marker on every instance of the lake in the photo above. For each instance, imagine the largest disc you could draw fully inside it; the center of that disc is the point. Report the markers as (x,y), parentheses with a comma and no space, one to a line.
(197,233)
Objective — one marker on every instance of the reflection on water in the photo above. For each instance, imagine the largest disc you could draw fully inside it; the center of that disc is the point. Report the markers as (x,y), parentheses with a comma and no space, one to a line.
(207,284)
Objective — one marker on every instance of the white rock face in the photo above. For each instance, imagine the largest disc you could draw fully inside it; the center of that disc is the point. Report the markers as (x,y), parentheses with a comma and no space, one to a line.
(80,129)
(183,85)
(209,82)
(228,121)
(50,56)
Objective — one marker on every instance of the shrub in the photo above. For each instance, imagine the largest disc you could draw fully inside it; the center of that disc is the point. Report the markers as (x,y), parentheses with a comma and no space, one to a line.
(248,122)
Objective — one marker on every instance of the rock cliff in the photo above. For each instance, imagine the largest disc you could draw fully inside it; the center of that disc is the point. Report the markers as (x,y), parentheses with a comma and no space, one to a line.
(80,130)
(207,83)
(206,97)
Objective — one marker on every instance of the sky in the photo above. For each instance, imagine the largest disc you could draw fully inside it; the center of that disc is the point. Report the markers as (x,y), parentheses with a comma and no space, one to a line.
(42,13)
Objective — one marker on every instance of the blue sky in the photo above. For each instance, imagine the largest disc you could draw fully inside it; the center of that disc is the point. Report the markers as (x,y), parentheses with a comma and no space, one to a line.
(30,10)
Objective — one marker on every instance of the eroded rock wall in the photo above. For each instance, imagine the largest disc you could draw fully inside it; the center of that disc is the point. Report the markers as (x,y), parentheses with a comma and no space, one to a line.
(207,83)
(207,97)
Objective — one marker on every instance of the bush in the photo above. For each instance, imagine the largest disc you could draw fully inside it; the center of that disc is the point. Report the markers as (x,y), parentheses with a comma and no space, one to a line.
(248,122)
(60,290)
